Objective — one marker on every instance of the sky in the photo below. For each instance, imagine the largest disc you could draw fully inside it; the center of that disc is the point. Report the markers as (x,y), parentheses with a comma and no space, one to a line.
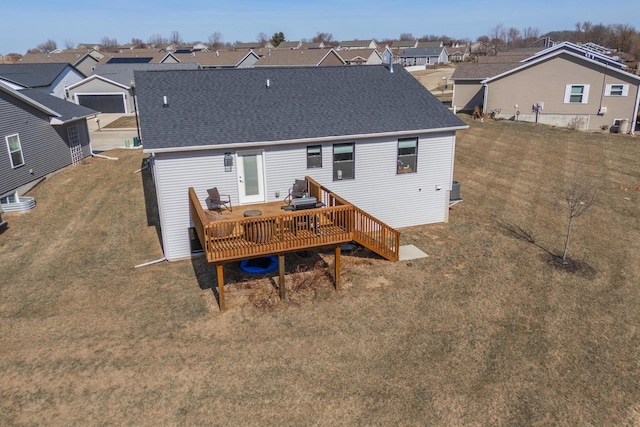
(26,24)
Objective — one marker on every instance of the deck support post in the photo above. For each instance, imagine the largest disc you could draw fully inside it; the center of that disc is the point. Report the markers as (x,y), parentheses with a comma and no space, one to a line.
(283,295)
(220,286)
(337,269)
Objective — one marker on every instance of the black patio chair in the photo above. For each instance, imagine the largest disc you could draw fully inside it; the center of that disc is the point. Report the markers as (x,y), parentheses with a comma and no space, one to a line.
(217,201)
(300,189)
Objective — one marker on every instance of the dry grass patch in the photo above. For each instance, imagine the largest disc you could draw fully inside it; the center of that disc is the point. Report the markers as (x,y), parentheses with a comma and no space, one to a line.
(124,122)
(483,332)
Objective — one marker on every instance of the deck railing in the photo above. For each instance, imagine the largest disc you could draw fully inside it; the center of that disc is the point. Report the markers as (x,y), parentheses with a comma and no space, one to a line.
(338,222)
(367,230)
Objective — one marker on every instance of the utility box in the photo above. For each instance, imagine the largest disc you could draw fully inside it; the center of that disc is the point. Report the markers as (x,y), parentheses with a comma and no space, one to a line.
(455,191)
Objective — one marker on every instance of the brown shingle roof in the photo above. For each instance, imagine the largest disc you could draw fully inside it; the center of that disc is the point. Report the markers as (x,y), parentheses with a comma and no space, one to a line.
(470,71)
(500,59)
(223,58)
(294,57)
(35,58)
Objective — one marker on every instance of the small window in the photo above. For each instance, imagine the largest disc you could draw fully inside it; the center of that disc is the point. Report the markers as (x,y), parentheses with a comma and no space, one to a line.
(407,155)
(343,161)
(15,150)
(616,90)
(576,94)
(314,156)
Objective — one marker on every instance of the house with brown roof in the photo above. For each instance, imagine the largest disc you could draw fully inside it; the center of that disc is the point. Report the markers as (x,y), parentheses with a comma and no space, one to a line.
(437,43)
(561,87)
(247,45)
(83,62)
(299,58)
(221,59)
(459,53)
(289,45)
(360,56)
(358,44)
(402,44)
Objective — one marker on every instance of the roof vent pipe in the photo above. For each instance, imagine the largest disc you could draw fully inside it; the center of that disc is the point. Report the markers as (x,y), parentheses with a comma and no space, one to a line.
(165,103)
(268,83)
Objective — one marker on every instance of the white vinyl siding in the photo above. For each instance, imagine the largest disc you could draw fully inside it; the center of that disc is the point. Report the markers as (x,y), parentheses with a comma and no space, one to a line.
(418,198)
(15,150)
(576,94)
(616,90)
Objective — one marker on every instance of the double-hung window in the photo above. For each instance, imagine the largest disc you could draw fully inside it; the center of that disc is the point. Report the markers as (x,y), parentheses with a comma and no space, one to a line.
(15,150)
(616,90)
(576,94)
(407,155)
(343,161)
(314,156)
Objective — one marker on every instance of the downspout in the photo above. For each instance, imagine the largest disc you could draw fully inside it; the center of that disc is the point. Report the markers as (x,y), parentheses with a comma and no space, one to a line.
(486,97)
(635,112)
(93,154)
(100,155)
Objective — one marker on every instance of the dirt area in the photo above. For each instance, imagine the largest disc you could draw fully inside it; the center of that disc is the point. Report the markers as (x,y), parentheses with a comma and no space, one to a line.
(436,78)
(485,331)
(124,122)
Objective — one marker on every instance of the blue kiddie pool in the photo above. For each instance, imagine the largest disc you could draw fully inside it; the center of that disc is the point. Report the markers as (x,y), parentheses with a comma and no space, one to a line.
(259,265)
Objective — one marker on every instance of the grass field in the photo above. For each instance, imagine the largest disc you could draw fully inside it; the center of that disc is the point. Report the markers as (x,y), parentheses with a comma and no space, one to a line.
(485,331)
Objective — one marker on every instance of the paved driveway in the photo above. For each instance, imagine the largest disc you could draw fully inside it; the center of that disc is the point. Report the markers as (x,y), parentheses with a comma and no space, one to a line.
(107,139)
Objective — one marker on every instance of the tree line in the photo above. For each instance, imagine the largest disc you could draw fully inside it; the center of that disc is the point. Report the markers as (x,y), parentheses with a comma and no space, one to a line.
(621,37)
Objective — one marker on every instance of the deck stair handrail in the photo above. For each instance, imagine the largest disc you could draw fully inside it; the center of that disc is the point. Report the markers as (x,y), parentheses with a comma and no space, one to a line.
(368,231)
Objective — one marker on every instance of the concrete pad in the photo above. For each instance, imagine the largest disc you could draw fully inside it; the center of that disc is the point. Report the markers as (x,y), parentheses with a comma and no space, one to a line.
(107,139)
(408,252)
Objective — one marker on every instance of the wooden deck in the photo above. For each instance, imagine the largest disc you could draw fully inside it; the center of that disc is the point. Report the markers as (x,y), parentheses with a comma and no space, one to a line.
(278,231)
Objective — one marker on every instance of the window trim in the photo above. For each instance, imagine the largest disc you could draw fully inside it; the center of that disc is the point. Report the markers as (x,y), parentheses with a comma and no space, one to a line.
(406,168)
(585,93)
(337,163)
(609,88)
(11,152)
(319,147)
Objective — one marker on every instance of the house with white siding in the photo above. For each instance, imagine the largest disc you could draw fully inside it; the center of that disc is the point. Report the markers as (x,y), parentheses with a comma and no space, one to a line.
(374,136)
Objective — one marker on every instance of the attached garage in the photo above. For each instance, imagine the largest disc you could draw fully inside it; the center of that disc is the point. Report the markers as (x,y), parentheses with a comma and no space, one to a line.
(103,103)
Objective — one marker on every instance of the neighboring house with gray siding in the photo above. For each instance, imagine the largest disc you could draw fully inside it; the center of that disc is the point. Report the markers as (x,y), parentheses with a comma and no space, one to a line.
(424,56)
(273,125)
(40,134)
(51,78)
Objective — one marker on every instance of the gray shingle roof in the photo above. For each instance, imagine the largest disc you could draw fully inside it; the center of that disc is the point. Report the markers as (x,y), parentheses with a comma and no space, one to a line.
(32,75)
(123,73)
(421,52)
(67,110)
(210,107)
